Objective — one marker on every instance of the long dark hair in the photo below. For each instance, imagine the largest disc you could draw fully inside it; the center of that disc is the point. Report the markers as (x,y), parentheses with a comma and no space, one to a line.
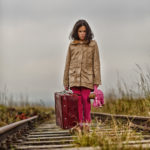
(74,33)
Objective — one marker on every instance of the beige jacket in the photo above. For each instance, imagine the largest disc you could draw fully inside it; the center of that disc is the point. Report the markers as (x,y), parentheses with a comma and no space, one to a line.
(82,67)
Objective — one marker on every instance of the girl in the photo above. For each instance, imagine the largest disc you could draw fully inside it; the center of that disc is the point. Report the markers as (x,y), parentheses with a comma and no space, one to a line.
(82,69)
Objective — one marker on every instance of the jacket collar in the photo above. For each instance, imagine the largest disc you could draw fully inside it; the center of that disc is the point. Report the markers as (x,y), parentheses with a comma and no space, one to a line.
(79,42)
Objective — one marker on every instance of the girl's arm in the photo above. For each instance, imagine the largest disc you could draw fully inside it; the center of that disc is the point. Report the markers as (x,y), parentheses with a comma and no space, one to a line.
(66,70)
(97,72)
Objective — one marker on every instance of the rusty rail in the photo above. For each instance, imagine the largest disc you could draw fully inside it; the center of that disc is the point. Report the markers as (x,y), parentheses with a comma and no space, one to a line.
(140,120)
(136,122)
(11,132)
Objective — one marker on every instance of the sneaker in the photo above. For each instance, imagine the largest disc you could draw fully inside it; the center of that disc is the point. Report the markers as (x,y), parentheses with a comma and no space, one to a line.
(75,129)
(86,129)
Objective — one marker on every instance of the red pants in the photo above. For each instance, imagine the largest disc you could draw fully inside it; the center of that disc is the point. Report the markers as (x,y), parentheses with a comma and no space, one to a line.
(84,104)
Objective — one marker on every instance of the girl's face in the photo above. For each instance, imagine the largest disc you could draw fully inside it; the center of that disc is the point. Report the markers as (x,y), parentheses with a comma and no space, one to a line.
(82,32)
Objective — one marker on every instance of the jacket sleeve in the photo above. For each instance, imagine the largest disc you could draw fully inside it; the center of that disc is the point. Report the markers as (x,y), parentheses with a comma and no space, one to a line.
(97,65)
(66,70)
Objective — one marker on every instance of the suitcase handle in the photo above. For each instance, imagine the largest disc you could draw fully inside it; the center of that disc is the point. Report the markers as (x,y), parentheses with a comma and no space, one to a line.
(70,92)
(67,91)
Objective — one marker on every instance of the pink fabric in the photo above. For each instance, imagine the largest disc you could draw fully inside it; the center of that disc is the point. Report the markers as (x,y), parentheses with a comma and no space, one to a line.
(99,98)
(84,104)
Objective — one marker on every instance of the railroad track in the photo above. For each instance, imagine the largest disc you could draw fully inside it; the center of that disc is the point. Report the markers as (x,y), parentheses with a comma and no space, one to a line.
(29,135)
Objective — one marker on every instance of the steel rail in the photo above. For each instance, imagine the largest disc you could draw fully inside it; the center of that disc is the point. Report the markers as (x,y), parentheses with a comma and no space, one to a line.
(134,119)
(14,130)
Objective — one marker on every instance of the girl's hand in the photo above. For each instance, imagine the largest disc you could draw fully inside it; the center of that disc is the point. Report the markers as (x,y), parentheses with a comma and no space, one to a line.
(95,85)
(67,88)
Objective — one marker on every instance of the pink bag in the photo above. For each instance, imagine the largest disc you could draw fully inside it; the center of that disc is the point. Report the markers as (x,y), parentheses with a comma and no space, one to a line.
(99,97)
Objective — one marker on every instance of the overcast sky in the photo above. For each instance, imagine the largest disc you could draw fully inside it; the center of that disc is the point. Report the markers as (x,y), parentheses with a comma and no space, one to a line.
(34,41)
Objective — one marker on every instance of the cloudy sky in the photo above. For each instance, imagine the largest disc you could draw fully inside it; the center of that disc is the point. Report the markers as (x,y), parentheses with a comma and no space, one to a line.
(34,41)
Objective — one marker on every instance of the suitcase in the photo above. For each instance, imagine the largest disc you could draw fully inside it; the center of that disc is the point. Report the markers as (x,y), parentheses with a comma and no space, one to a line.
(66,109)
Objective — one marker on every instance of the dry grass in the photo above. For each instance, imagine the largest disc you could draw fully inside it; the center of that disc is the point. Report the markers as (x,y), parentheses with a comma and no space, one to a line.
(129,102)
(9,114)
(11,106)
(109,140)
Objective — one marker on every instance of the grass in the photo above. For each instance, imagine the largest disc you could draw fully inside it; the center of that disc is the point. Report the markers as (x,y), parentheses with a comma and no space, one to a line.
(140,107)
(12,110)
(109,140)
(129,102)
(10,114)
